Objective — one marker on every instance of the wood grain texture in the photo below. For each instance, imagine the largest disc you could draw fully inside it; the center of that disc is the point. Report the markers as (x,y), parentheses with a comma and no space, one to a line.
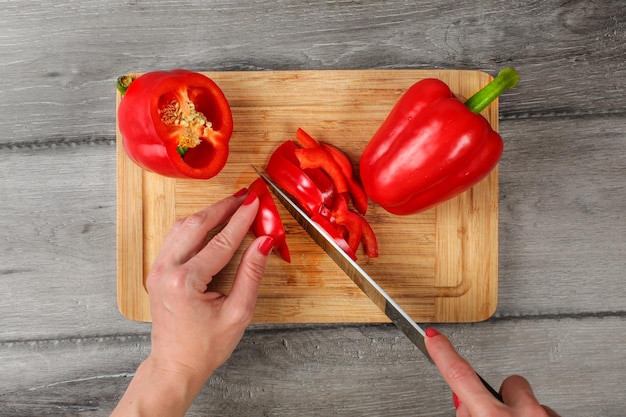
(441,265)
(59,61)
(66,350)
(366,370)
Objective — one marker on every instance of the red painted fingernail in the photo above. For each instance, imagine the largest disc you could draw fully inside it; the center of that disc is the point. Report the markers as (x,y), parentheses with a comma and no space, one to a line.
(241,192)
(266,246)
(431,332)
(250,199)
(455,399)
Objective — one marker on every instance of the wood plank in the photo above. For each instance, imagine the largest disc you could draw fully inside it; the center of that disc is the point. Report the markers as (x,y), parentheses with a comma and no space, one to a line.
(265,114)
(366,370)
(57,246)
(562,218)
(570,55)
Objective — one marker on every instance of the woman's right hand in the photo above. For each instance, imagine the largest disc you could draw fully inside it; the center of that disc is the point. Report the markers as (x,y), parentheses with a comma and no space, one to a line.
(471,398)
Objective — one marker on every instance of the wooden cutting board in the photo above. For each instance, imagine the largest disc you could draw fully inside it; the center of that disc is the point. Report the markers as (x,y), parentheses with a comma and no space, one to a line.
(440,265)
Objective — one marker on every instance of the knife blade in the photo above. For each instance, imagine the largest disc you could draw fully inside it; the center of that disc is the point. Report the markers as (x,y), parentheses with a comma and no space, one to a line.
(362,279)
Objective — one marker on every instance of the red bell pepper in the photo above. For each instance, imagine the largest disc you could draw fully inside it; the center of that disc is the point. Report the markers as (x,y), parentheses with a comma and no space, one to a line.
(359,199)
(320,178)
(176,123)
(295,182)
(342,164)
(306,140)
(431,147)
(323,183)
(358,230)
(319,158)
(334,233)
(267,221)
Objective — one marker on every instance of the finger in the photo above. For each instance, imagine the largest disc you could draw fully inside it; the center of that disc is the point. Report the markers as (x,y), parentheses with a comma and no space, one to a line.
(242,298)
(551,412)
(462,411)
(188,235)
(517,392)
(221,248)
(458,373)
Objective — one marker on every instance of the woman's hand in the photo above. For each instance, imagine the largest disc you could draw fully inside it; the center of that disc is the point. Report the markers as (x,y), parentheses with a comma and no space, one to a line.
(471,398)
(194,331)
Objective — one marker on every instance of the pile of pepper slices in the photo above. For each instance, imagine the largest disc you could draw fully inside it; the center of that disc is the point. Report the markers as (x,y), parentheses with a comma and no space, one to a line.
(320,177)
(430,148)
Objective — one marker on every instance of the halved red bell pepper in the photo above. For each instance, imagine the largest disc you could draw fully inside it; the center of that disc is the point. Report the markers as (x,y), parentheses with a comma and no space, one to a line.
(267,221)
(176,123)
(432,147)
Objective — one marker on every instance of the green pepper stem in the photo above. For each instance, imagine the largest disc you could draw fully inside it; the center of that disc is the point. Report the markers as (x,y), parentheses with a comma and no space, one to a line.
(123,82)
(182,151)
(507,78)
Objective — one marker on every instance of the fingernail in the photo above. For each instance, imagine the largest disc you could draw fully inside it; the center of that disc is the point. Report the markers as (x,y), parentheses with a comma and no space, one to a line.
(241,192)
(431,332)
(455,399)
(266,246)
(250,199)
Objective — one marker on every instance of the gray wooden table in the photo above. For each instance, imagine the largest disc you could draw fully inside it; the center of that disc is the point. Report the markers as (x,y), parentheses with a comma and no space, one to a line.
(561,318)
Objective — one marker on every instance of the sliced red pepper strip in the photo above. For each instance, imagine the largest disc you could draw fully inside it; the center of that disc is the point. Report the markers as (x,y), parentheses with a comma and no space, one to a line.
(359,198)
(323,183)
(357,227)
(319,158)
(370,243)
(288,150)
(295,182)
(352,221)
(305,139)
(334,234)
(321,180)
(267,221)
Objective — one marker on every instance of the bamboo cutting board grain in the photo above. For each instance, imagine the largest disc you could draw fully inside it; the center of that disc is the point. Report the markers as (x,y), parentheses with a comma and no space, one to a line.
(440,265)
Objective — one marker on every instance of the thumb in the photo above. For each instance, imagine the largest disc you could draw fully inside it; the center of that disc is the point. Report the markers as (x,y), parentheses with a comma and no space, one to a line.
(248,277)
(517,392)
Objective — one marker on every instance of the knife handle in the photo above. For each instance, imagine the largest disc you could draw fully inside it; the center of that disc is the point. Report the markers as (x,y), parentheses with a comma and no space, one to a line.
(490,388)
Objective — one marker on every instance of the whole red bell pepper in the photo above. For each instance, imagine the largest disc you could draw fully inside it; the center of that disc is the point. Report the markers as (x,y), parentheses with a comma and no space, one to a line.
(267,221)
(175,123)
(431,147)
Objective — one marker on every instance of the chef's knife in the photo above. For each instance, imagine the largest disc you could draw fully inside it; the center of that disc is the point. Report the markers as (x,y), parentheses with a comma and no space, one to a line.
(361,278)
